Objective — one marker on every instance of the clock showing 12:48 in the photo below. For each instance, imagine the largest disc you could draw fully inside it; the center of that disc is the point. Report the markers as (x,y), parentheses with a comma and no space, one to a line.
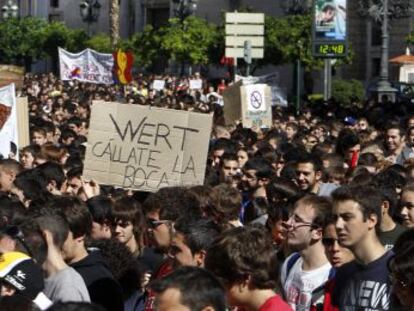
(332,50)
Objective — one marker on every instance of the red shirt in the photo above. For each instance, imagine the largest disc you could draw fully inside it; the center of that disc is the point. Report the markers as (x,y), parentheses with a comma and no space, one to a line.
(275,303)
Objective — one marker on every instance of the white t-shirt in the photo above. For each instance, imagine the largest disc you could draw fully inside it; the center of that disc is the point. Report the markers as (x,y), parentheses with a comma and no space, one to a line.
(299,285)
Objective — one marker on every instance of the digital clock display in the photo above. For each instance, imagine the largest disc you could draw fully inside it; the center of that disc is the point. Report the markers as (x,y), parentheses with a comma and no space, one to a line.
(332,50)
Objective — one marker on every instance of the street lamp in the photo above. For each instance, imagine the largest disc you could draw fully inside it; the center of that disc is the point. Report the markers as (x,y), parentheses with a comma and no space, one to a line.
(10,9)
(296,7)
(89,11)
(184,8)
(381,11)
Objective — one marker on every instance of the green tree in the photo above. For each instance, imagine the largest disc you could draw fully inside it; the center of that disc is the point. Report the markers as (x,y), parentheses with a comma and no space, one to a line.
(188,41)
(347,92)
(21,40)
(100,43)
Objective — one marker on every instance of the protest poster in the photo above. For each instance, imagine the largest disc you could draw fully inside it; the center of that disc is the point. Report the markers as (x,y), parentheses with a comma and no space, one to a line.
(8,119)
(23,136)
(11,74)
(249,103)
(158,85)
(86,66)
(196,84)
(146,148)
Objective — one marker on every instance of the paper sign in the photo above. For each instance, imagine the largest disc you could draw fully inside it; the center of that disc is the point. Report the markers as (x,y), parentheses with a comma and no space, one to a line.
(196,84)
(255,95)
(23,121)
(158,85)
(250,103)
(146,148)
(86,66)
(8,119)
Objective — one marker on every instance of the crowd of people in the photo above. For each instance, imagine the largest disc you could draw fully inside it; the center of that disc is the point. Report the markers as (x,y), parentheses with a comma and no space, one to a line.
(314,213)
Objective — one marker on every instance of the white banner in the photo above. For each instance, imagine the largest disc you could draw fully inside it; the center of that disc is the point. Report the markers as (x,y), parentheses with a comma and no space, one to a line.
(8,119)
(158,85)
(196,84)
(86,66)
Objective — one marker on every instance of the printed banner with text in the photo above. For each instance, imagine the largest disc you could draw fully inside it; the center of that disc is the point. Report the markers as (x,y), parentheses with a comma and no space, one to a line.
(8,119)
(146,148)
(86,66)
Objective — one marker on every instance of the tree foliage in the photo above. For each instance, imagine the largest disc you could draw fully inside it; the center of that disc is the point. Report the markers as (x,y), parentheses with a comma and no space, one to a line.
(100,43)
(21,40)
(189,40)
(347,92)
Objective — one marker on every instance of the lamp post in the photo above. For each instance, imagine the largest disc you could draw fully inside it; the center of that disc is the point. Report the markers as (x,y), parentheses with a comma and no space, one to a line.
(182,9)
(297,7)
(382,11)
(10,9)
(89,11)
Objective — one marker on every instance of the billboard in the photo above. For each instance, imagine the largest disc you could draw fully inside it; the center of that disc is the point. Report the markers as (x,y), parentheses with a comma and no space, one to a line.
(330,28)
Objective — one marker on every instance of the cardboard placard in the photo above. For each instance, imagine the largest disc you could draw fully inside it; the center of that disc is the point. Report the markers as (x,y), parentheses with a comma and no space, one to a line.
(146,148)
(23,136)
(11,74)
(158,85)
(196,84)
(250,103)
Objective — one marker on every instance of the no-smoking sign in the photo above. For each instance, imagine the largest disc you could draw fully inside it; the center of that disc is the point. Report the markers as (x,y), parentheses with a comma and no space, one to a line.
(255,97)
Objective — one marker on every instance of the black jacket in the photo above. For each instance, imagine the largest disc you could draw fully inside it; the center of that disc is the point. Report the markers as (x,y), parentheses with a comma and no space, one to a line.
(102,287)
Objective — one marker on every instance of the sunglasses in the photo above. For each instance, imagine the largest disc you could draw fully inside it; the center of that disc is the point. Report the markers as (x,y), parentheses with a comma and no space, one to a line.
(329,241)
(153,223)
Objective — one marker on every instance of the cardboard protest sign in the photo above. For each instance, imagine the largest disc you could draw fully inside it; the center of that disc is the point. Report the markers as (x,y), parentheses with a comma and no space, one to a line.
(196,84)
(8,119)
(11,74)
(158,85)
(250,103)
(22,111)
(146,148)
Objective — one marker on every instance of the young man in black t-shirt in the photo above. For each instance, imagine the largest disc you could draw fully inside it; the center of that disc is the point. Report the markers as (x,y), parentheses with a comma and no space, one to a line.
(363,283)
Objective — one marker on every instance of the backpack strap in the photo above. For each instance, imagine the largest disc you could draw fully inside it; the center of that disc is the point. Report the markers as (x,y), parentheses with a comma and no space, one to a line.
(292,260)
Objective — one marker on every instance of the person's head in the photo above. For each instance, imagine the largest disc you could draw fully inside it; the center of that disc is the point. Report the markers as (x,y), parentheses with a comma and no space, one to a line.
(101,209)
(189,289)
(57,226)
(163,208)
(229,202)
(28,155)
(328,13)
(20,276)
(308,172)
(79,220)
(305,224)
(244,259)
(242,157)
(394,137)
(191,241)
(74,181)
(407,206)
(229,169)
(357,212)
(401,269)
(129,222)
(291,130)
(256,174)
(39,136)
(9,169)
(362,124)
(54,176)
(336,254)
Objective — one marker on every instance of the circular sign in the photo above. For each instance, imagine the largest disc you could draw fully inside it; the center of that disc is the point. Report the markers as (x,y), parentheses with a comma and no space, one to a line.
(256,100)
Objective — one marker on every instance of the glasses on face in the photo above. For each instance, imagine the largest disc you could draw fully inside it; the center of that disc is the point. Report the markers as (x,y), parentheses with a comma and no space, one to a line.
(153,223)
(295,222)
(329,242)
